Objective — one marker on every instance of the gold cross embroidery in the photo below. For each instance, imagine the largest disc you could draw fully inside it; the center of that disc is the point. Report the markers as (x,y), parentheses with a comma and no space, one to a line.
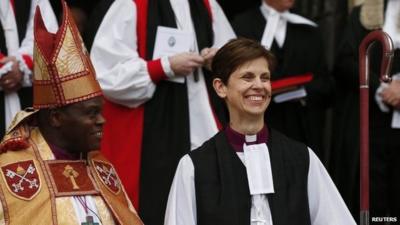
(70,173)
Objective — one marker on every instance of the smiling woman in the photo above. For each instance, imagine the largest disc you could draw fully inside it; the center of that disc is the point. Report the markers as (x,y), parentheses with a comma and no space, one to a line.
(242,77)
(248,168)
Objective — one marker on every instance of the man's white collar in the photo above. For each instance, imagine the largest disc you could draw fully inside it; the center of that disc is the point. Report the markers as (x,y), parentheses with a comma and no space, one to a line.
(277,23)
(288,16)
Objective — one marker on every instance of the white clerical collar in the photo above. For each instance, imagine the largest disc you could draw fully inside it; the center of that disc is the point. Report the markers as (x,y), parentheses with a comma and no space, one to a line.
(250,138)
(277,23)
(258,167)
(266,10)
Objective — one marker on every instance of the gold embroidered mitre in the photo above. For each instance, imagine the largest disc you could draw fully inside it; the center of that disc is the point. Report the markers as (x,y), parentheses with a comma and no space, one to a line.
(63,72)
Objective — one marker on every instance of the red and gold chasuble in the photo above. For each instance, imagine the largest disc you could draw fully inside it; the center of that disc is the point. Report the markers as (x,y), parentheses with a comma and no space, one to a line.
(36,189)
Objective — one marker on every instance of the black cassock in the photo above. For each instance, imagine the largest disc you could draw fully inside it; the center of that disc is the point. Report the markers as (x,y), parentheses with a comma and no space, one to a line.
(301,53)
(384,141)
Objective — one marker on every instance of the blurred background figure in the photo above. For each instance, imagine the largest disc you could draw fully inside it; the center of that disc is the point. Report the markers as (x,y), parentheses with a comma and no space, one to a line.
(304,87)
(16,50)
(384,112)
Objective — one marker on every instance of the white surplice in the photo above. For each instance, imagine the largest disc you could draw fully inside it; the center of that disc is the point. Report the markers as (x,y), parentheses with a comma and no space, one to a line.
(326,206)
(11,100)
(124,77)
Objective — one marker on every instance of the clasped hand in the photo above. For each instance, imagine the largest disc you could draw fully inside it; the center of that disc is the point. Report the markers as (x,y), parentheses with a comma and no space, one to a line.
(391,94)
(185,63)
(11,81)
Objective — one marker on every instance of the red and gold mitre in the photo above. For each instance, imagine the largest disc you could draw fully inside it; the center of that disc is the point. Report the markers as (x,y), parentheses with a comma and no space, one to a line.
(63,72)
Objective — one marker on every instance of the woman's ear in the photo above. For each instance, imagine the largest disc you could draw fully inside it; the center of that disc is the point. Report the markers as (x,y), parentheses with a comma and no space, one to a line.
(219,87)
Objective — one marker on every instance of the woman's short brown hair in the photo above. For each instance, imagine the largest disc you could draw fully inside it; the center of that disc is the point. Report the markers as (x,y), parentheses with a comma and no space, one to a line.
(237,52)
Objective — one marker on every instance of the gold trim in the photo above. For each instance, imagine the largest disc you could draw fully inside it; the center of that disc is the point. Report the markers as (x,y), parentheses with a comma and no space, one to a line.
(66,211)
(130,204)
(69,61)
(41,68)
(118,204)
(45,152)
(18,119)
(44,171)
(4,207)
(43,198)
(107,201)
(105,214)
(72,193)
(8,188)
(79,87)
(371,15)
(102,181)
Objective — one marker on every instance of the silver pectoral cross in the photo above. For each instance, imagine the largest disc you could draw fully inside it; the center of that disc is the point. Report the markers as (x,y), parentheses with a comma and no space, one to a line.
(89,221)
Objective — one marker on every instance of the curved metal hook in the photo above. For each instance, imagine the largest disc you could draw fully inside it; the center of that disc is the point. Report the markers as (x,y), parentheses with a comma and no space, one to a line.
(387,55)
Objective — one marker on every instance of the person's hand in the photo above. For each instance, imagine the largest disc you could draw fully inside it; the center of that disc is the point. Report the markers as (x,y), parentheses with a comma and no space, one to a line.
(11,81)
(208,55)
(391,94)
(185,63)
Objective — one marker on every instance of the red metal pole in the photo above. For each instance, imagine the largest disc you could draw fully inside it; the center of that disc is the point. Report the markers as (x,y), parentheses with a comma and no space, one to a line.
(364,50)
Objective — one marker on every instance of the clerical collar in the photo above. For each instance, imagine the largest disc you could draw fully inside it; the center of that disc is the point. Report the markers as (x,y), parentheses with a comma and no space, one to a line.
(267,10)
(236,140)
(63,154)
(275,28)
